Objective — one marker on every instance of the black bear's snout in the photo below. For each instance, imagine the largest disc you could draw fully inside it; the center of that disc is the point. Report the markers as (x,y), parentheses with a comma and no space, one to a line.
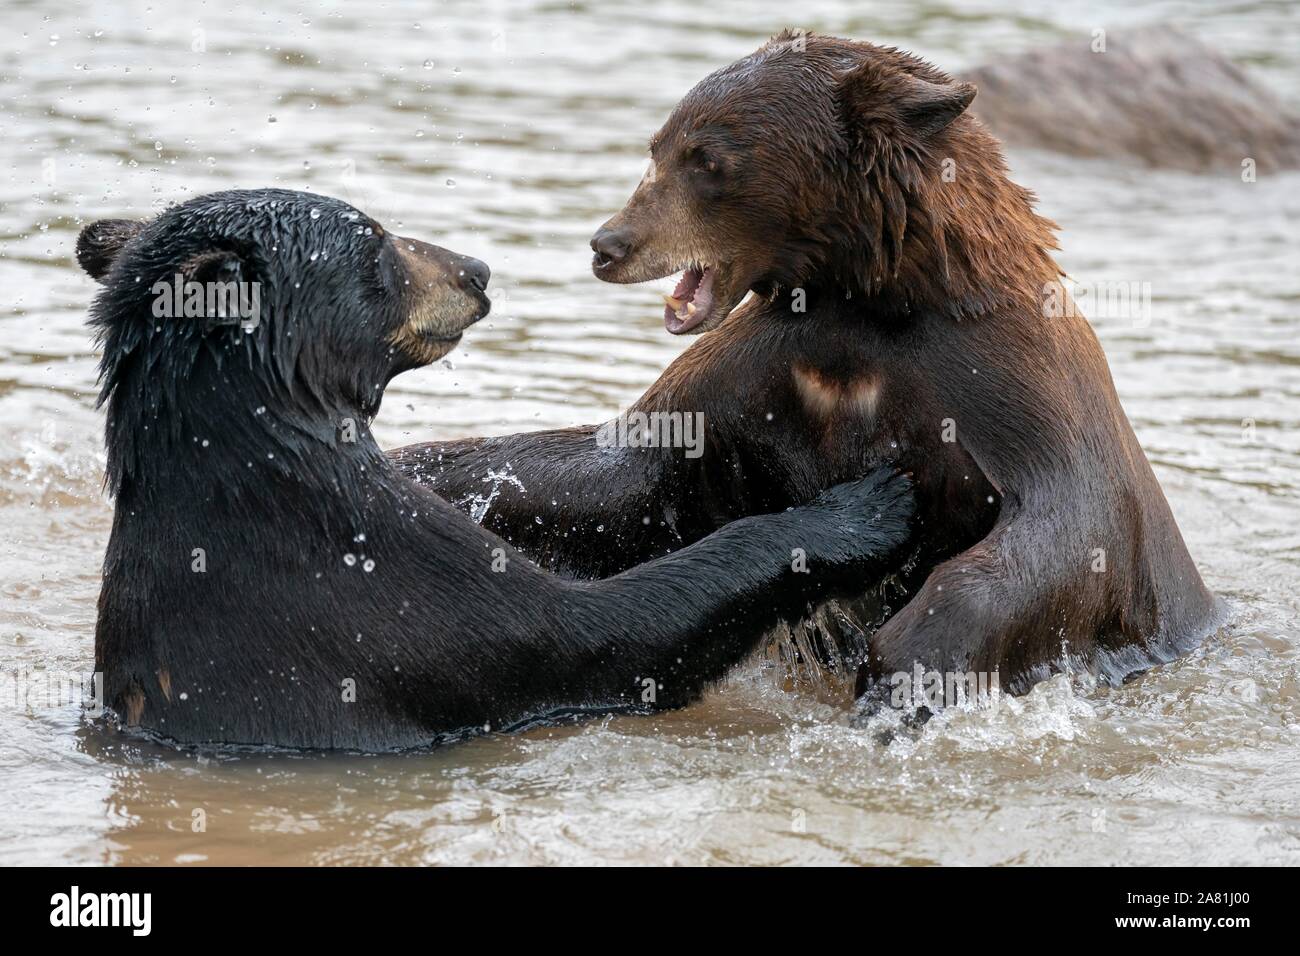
(475,272)
(609,246)
(428,264)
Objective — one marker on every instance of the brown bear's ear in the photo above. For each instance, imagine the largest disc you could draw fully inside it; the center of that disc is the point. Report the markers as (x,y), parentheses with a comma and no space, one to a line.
(875,92)
(929,107)
(100,242)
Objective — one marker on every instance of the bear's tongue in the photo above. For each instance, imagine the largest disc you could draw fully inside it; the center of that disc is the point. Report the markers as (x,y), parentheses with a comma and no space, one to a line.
(690,302)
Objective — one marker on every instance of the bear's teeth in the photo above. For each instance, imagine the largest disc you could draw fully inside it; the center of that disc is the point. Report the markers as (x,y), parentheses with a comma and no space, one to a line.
(690,308)
(674,304)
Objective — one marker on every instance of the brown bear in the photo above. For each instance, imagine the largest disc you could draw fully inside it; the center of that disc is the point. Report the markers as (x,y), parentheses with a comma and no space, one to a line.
(272,578)
(906,306)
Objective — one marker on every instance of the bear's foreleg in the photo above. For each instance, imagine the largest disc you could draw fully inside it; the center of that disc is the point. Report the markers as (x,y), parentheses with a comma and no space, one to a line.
(572,503)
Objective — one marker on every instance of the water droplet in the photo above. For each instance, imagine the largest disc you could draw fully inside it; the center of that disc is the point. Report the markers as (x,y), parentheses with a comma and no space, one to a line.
(315,213)
(369,565)
(349,559)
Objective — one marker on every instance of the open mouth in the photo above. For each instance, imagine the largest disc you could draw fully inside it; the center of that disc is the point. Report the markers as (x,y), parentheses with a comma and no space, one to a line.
(691,302)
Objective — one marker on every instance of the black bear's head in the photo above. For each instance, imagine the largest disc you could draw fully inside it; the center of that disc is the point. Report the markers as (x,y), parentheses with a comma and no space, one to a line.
(290,308)
(816,163)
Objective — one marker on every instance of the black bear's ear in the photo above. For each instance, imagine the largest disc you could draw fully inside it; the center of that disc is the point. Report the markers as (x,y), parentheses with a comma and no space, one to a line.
(874,92)
(219,265)
(101,241)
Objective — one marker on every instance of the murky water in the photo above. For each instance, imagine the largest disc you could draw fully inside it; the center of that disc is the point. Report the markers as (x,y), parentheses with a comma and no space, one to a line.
(510,131)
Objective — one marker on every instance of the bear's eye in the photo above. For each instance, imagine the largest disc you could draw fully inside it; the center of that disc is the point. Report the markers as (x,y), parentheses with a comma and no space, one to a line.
(702,162)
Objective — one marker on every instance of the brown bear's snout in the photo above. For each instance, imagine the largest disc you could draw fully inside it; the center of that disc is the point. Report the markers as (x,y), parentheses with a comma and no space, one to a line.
(610,246)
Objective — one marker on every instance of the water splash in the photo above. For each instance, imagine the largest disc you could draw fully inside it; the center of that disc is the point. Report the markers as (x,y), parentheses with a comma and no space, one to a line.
(479,504)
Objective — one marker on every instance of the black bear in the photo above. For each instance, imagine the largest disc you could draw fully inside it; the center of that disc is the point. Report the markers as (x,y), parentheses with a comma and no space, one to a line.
(905,307)
(272,578)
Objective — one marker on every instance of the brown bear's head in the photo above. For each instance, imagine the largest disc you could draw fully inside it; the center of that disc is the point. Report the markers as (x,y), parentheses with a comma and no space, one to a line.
(815,162)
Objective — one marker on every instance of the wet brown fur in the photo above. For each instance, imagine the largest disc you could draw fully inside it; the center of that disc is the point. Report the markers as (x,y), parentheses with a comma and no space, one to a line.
(926,292)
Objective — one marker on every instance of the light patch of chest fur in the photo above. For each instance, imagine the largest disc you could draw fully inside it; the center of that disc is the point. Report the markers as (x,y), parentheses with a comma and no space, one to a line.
(828,398)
